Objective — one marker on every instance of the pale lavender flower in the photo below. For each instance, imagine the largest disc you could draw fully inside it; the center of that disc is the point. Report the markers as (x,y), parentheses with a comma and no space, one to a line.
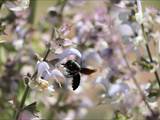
(92,58)
(27,115)
(46,77)
(118,88)
(42,67)
(17,5)
(125,30)
(69,51)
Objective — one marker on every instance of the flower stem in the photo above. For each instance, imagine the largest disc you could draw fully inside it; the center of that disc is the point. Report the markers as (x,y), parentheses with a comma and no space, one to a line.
(139,7)
(47,53)
(149,53)
(23,101)
(32,12)
(151,60)
(135,81)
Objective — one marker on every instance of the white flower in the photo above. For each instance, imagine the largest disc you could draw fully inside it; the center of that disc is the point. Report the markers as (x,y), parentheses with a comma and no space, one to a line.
(17,5)
(139,18)
(18,44)
(69,51)
(55,75)
(126,30)
(118,88)
(92,58)
(42,67)
(45,76)
(139,40)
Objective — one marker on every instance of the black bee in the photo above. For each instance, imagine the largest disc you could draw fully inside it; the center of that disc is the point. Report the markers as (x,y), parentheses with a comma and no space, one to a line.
(74,70)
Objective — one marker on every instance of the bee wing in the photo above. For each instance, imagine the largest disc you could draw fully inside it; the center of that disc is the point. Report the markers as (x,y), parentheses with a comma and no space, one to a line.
(76,81)
(87,71)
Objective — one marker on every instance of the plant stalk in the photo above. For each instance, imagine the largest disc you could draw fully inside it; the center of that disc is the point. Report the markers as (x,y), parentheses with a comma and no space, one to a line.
(135,81)
(33,4)
(139,8)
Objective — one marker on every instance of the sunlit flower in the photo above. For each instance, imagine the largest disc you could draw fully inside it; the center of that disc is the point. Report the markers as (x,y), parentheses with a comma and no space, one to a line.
(17,5)
(18,44)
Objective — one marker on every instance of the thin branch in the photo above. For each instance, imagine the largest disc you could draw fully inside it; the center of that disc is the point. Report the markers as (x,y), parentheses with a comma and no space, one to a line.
(139,6)
(23,101)
(135,81)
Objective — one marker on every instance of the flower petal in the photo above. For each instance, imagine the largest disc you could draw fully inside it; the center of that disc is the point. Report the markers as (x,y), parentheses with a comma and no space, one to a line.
(68,52)
(118,88)
(42,67)
(126,30)
(55,75)
(92,58)
(18,5)
(27,115)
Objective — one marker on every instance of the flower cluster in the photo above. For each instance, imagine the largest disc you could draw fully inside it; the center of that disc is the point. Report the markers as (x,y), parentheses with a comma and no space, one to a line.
(81,59)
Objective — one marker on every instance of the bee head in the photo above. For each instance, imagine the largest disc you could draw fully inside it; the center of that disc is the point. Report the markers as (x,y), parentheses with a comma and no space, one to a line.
(72,65)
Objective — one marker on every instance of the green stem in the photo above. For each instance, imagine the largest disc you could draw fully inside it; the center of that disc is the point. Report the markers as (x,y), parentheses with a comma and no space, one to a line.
(23,101)
(149,53)
(151,60)
(33,10)
(47,53)
(62,9)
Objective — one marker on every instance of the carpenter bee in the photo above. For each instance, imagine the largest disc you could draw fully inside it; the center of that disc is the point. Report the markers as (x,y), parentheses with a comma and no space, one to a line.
(74,70)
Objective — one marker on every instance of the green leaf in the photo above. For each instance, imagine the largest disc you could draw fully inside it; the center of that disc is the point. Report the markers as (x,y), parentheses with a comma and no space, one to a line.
(119,116)
(31,107)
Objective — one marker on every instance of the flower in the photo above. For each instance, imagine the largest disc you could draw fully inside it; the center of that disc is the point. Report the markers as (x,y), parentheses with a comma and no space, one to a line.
(42,67)
(17,5)
(118,88)
(69,51)
(45,77)
(27,115)
(92,58)
(126,30)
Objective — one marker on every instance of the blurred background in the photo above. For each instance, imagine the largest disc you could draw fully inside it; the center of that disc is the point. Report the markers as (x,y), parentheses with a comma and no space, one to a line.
(92,28)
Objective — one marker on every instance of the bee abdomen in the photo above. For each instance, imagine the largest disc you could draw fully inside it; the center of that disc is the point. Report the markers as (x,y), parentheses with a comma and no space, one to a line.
(76,81)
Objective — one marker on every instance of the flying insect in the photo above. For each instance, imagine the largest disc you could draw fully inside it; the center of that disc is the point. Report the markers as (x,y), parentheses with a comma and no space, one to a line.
(74,70)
